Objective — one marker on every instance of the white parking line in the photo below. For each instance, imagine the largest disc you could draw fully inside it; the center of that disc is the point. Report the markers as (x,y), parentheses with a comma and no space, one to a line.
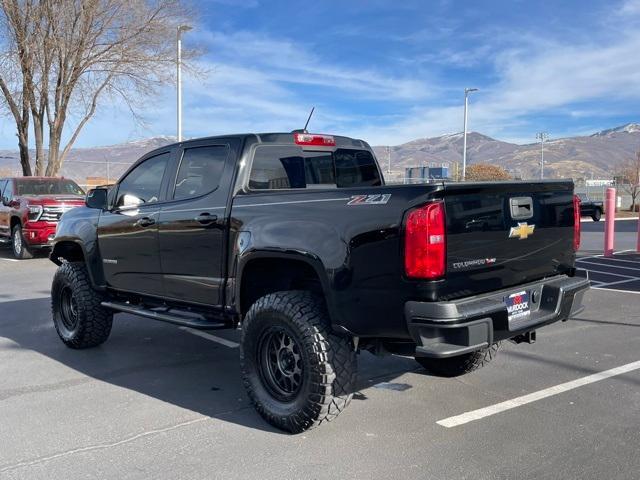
(635,269)
(623,219)
(614,274)
(601,255)
(213,338)
(636,262)
(535,396)
(10,259)
(607,284)
(615,290)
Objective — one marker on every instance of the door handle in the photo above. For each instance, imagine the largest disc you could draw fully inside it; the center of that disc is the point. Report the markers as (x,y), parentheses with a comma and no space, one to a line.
(145,222)
(206,218)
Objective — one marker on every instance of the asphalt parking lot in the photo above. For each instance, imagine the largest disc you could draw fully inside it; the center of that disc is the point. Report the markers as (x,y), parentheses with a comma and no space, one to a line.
(156,401)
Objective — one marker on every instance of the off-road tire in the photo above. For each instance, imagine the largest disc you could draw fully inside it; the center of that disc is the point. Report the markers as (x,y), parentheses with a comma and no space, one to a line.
(91,324)
(328,361)
(597,214)
(20,248)
(455,366)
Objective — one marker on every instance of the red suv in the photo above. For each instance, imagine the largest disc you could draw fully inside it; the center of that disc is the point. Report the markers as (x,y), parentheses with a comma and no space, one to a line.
(30,210)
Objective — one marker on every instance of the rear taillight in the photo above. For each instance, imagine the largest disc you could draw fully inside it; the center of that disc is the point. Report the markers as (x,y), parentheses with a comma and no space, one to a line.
(425,242)
(576,223)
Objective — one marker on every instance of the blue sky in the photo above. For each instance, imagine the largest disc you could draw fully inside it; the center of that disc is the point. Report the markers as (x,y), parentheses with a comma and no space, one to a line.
(393,71)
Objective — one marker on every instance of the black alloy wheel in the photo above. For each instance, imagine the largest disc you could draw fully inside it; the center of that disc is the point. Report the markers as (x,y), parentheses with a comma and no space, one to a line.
(281,366)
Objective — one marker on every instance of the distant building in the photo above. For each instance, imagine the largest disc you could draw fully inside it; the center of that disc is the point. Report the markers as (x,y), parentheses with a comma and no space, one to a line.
(599,183)
(92,182)
(426,174)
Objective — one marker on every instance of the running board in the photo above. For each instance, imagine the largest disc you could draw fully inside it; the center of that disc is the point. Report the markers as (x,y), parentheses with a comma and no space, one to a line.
(166,316)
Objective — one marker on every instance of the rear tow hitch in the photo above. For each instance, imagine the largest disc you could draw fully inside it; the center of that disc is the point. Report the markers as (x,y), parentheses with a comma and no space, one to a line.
(529,337)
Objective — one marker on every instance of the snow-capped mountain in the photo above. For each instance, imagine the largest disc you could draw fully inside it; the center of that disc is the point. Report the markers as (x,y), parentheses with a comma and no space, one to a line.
(596,155)
(628,128)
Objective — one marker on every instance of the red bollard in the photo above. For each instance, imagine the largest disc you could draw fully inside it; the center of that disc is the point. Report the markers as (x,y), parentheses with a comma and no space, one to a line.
(609,221)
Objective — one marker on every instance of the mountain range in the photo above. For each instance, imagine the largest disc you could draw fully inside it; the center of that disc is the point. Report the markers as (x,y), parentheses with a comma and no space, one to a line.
(592,156)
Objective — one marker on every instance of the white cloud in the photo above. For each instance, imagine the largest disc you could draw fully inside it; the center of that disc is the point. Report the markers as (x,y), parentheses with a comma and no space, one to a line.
(544,79)
(261,83)
(630,7)
(294,63)
(260,90)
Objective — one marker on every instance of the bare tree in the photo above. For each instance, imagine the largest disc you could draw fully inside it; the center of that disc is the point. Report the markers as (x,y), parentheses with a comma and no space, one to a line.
(16,68)
(486,172)
(629,173)
(82,52)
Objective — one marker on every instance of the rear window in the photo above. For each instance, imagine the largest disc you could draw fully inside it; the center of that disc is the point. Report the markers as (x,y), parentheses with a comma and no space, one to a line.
(288,166)
(47,187)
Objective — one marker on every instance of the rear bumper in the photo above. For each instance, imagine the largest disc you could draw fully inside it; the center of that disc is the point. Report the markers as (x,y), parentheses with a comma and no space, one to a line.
(447,329)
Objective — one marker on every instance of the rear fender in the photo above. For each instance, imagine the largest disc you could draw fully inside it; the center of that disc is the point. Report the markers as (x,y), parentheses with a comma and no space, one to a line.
(306,258)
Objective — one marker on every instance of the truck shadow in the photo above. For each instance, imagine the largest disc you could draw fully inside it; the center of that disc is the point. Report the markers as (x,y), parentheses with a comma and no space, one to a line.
(156,360)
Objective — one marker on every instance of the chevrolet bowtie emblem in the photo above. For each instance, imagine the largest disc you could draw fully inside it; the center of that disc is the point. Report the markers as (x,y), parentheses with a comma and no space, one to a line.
(522,231)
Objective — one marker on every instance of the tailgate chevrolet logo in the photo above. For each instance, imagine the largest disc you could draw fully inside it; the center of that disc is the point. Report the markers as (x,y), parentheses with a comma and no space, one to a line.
(522,231)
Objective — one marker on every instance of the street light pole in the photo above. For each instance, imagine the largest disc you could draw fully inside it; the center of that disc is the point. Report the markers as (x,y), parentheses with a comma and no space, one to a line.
(542,136)
(389,159)
(181,29)
(467,91)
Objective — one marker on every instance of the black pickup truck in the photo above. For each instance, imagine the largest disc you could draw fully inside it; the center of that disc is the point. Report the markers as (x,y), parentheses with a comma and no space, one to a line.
(590,208)
(295,238)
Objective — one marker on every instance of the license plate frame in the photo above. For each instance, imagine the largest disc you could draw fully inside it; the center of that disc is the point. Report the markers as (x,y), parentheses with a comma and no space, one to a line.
(518,305)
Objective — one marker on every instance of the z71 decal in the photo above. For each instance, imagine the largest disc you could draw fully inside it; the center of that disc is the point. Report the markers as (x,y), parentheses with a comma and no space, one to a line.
(378,199)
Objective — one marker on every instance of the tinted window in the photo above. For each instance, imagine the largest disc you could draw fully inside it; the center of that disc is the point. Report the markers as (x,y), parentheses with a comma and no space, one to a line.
(3,183)
(277,167)
(47,187)
(319,169)
(142,184)
(200,171)
(290,167)
(356,168)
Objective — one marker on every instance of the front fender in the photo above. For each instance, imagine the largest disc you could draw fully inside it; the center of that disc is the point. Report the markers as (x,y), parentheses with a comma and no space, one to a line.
(80,227)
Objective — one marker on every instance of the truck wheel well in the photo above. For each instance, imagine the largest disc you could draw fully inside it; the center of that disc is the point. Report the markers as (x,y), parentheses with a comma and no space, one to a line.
(268,275)
(70,251)
(14,221)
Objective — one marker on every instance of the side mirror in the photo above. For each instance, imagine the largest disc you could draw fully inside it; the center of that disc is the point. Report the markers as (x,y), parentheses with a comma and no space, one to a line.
(97,198)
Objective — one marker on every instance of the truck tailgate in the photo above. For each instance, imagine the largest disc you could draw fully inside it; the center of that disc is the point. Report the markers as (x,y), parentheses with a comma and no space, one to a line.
(507,233)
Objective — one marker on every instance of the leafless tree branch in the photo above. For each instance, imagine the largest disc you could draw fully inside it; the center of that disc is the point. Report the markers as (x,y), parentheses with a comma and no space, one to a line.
(64,57)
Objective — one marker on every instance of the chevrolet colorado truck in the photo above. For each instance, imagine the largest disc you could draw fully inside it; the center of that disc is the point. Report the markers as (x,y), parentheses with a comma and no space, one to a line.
(295,238)
(30,208)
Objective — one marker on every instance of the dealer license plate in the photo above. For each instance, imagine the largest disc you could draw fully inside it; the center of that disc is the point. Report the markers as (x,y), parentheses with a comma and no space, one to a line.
(517,305)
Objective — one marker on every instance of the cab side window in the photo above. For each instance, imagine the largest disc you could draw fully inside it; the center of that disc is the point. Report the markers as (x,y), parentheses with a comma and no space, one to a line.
(7,193)
(142,185)
(200,171)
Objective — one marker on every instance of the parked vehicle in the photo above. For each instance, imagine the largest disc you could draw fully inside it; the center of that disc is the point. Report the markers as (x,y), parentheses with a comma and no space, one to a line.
(295,237)
(590,208)
(30,210)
